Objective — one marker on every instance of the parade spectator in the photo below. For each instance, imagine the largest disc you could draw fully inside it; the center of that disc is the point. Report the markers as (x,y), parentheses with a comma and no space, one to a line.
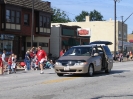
(120,57)
(35,63)
(42,57)
(127,55)
(4,60)
(49,64)
(9,64)
(14,59)
(36,50)
(62,52)
(27,60)
(1,65)
(131,55)
(32,57)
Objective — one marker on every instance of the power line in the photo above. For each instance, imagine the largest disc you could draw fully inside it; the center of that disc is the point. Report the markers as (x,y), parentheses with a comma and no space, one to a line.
(64,11)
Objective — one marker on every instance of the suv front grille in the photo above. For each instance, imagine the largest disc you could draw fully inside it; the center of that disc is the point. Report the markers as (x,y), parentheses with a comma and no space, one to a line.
(67,64)
(68,71)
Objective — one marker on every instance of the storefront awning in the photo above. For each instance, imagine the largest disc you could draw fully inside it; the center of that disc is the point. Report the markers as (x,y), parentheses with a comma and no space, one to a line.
(72,42)
(65,43)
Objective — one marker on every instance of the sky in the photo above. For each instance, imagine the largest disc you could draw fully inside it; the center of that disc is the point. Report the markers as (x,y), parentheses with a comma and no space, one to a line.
(105,7)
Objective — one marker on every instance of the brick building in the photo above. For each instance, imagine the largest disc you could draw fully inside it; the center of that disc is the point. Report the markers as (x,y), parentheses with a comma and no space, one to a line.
(16,23)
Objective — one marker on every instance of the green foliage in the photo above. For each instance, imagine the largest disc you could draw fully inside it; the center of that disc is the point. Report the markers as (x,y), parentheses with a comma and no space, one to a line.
(59,16)
(94,16)
(81,17)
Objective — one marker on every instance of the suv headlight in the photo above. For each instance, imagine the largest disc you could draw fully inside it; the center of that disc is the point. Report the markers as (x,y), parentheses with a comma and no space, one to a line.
(57,63)
(80,63)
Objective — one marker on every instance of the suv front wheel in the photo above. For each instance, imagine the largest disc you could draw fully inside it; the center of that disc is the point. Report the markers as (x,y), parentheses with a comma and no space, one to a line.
(90,70)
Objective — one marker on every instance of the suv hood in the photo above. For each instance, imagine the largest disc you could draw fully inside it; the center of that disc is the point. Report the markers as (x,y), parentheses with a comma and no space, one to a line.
(74,58)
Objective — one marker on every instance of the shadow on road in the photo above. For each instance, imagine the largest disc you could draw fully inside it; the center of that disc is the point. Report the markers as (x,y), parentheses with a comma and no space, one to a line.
(119,96)
(98,73)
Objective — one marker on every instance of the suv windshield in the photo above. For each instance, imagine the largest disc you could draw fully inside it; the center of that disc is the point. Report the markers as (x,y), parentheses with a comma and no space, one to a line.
(79,51)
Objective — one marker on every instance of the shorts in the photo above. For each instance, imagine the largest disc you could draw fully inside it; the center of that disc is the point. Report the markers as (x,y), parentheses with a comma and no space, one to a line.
(5,63)
(41,63)
(13,65)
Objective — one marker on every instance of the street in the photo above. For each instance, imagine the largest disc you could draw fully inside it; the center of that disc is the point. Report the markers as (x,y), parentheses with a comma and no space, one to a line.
(33,85)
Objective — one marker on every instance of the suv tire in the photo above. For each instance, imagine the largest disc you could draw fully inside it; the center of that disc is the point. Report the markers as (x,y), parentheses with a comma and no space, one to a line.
(90,70)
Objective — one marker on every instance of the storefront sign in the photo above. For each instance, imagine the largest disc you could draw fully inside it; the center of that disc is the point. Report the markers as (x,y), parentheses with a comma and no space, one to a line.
(6,37)
(83,32)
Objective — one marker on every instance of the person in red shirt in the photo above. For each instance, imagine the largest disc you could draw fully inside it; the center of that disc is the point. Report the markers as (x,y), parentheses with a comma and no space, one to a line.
(1,65)
(62,52)
(9,64)
(42,57)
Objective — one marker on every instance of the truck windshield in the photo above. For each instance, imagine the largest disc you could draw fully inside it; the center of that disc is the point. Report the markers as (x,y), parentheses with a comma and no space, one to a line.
(79,51)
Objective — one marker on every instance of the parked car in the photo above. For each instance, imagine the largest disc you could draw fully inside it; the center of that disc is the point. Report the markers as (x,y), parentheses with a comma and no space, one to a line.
(85,59)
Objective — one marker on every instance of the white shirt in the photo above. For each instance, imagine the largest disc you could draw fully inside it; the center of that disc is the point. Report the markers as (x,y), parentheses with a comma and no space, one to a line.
(3,57)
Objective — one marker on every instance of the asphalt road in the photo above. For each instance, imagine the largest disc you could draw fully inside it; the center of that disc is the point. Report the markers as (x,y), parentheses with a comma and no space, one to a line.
(32,85)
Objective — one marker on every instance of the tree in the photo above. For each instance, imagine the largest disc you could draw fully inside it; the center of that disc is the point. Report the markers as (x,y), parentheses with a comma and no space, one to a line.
(59,16)
(94,16)
(81,17)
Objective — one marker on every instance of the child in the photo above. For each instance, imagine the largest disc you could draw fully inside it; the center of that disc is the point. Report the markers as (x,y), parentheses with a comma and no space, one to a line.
(14,57)
(49,64)
(9,64)
(35,62)
(1,65)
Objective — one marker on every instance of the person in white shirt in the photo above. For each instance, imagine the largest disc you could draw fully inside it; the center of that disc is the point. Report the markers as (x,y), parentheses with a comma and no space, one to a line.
(14,58)
(4,61)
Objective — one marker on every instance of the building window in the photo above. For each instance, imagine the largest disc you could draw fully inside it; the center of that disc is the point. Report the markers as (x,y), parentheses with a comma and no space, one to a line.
(119,34)
(48,22)
(35,44)
(44,22)
(125,36)
(12,16)
(8,16)
(41,21)
(26,19)
(28,44)
(17,17)
(43,44)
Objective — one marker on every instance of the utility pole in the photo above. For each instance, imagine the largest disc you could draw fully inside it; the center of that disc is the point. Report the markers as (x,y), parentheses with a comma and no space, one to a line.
(115,27)
(122,28)
(122,33)
(32,27)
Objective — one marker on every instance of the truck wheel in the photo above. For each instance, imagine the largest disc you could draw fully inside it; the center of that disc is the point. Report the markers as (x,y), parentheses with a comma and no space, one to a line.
(90,70)
(60,75)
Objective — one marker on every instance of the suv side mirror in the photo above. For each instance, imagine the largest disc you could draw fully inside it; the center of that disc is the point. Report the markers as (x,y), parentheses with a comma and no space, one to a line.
(95,54)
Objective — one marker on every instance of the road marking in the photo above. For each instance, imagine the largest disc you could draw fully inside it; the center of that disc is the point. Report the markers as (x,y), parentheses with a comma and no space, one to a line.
(59,80)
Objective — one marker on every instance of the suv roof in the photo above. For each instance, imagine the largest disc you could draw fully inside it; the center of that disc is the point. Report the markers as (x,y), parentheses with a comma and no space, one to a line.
(102,42)
(90,45)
